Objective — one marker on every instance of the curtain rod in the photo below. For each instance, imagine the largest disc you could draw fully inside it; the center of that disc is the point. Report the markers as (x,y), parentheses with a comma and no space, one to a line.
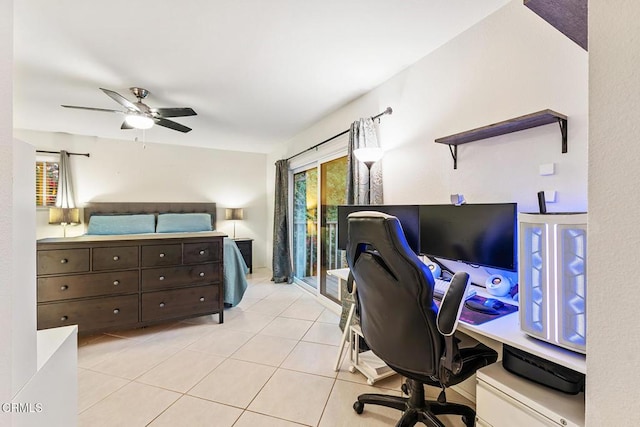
(388,110)
(71,154)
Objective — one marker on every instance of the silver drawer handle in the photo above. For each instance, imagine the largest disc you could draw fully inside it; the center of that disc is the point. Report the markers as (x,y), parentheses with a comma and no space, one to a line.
(64,261)
(202,252)
(116,282)
(161,255)
(201,299)
(64,287)
(63,318)
(201,274)
(161,304)
(115,258)
(116,311)
(161,278)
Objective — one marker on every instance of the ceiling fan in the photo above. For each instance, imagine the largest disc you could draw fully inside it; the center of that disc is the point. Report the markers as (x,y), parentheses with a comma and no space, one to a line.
(139,115)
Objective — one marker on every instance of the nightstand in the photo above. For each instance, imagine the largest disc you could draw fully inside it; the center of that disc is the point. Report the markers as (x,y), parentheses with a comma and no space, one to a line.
(246,249)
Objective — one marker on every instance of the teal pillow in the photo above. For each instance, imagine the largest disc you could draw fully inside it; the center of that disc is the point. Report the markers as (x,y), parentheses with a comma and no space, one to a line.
(182,223)
(121,224)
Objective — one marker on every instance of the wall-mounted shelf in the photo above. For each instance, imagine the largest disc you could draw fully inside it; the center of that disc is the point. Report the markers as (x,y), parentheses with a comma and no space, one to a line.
(570,17)
(528,121)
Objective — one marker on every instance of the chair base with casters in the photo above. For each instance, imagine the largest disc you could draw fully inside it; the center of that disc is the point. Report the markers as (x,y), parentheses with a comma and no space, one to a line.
(416,409)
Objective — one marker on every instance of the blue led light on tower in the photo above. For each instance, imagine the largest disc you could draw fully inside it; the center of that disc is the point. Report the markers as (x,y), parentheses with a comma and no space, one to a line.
(552,278)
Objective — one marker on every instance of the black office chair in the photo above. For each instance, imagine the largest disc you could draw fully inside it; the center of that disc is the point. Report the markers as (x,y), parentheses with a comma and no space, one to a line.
(403,326)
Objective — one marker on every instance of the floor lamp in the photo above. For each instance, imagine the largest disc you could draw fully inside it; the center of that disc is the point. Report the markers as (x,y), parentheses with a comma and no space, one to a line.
(368,156)
(347,327)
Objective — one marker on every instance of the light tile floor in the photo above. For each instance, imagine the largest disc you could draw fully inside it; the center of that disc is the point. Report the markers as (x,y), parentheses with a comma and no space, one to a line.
(269,365)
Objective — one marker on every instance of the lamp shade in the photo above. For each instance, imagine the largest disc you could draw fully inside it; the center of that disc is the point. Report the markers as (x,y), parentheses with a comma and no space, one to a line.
(234,213)
(64,215)
(139,121)
(368,154)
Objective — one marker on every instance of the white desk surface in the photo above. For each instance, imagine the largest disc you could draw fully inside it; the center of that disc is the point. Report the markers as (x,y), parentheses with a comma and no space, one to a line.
(506,329)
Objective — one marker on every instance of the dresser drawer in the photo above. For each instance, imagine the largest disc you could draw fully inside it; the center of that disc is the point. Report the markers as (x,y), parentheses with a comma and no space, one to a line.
(90,314)
(157,255)
(115,258)
(63,261)
(180,302)
(202,252)
(169,277)
(87,285)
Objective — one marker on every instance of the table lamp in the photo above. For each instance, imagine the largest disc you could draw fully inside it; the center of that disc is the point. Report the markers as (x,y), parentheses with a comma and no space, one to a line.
(64,217)
(234,214)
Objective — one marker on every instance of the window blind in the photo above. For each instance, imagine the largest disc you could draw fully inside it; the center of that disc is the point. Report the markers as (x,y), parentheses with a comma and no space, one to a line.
(46,183)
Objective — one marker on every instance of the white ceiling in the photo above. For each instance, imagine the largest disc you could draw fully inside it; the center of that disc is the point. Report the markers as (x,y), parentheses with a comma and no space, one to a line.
(256,72)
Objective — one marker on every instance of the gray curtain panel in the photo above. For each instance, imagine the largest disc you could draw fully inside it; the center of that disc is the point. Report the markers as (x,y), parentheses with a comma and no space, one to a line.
(362,134)
(281,264)
(65,197)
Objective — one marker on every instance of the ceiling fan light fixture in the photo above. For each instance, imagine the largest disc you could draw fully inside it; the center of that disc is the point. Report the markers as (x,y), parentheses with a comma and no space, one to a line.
(139,121)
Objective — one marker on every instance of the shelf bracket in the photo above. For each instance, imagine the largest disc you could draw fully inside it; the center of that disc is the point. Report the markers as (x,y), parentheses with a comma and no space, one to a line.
(563,130)
(454,155)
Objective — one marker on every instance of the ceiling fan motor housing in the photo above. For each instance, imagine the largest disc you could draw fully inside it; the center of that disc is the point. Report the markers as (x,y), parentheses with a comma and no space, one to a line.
(139,92)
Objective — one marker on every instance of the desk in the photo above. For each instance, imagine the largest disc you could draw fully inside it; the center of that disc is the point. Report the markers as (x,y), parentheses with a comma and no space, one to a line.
(506,330)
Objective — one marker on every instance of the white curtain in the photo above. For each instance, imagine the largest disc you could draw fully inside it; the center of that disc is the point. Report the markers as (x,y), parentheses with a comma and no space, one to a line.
(362,134)
(65,197)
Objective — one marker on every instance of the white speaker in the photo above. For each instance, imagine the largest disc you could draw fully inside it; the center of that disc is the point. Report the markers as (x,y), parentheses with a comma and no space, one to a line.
(436,271)
(498,285)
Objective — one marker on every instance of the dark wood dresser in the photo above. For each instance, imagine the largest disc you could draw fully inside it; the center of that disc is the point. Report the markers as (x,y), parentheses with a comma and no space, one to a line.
(116,282)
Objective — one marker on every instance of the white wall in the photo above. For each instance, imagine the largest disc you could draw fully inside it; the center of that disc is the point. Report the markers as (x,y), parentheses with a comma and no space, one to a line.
(17,246)
(510,64)
(6,194)
(128,171)
(24,273)
(613,345)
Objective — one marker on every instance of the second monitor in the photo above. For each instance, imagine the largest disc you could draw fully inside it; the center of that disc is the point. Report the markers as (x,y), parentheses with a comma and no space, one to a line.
(476,234)
(408,215)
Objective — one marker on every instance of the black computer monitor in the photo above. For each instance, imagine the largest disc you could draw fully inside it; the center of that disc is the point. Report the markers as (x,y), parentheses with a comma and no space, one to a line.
(408,215)
(477,234)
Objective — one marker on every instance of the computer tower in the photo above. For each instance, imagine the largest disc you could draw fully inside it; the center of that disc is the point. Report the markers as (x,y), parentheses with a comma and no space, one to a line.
(552,276)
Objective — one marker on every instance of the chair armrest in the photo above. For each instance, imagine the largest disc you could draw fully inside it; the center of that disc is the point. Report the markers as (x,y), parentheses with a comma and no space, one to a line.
(452,303)
(447,322)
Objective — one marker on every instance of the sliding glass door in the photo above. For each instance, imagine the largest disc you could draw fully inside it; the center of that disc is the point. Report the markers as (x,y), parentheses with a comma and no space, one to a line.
(333,192)
(317,191)
(305,226)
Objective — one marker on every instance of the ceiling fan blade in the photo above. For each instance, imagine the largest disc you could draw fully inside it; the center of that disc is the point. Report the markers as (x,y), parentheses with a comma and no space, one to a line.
(175,112)
(126,125)
(121,100)
(92,109)
(171,124)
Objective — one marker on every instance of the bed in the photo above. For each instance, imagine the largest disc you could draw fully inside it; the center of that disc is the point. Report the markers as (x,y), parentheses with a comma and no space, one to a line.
(139,263)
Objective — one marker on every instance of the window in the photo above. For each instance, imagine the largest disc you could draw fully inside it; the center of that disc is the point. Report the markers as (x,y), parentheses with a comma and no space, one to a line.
(46,183)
